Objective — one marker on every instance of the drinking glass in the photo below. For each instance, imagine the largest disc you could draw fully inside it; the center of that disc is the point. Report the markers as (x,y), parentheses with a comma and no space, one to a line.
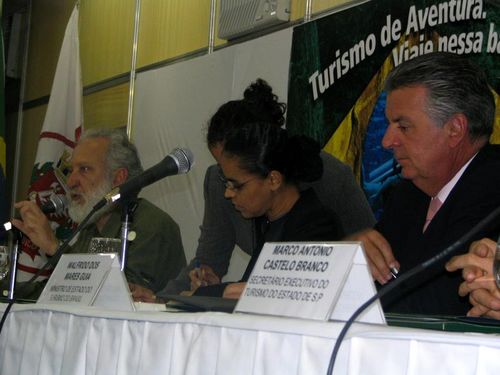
(4,261)
(105,245)
(496,264)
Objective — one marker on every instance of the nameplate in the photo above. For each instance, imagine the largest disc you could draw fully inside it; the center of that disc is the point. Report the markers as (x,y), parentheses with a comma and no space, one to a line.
(88,280)
(307,280)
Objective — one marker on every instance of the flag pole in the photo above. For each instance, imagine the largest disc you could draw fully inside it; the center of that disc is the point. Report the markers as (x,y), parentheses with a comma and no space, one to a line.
(14,240)
(211,32)
(126,218)
(133,65)
(20,114)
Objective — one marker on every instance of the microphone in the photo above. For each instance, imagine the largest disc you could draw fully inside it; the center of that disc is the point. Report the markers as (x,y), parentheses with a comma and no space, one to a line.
(55,205)
(179,161)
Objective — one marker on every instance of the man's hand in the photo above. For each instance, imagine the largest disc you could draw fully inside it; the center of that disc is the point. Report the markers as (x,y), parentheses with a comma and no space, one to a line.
(36,226)
(234,290)
(141,294)
(378,254)
(477,262)
(485,303)
(202,276)
(479,284)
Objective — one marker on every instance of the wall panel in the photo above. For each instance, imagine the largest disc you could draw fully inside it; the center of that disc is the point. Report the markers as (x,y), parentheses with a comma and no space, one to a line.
(319,6)
(298,9)
(48,23)
(106,108)
(172,28)
(106,36)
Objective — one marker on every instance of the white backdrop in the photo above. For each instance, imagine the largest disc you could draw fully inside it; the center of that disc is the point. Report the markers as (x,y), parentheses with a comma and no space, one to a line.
(171,109)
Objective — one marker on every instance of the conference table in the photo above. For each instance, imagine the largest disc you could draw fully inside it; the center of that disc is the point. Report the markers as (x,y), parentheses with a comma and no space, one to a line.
(58,339)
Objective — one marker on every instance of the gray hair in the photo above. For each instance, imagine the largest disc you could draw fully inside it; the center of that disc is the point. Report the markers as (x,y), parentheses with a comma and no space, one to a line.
(455,85)
(121,152)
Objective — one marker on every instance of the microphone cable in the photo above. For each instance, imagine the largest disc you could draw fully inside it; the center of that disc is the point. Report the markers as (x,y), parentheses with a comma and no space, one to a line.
(407,275)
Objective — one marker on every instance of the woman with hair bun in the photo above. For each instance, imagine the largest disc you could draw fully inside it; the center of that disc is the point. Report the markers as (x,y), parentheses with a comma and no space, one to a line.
(223,228)
(262,168)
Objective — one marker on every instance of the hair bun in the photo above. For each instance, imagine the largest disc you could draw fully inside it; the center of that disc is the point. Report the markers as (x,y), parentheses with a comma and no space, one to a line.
(259,95)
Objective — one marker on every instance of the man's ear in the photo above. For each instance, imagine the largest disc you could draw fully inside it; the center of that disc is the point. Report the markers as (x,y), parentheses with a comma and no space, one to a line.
(120,176)
(457,128)
(275,179)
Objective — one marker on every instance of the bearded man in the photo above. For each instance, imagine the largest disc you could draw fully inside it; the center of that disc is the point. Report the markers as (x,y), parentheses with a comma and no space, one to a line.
(102,160)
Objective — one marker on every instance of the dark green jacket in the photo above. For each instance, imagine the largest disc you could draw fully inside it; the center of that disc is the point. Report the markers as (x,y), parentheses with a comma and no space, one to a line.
(155,255)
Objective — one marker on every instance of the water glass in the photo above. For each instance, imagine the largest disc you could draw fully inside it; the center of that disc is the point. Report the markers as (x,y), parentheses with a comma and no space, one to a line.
(105,245)
(496,264)
(4,261)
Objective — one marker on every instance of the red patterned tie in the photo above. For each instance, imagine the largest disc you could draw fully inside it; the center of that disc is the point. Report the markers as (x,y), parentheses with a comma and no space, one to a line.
(433,208)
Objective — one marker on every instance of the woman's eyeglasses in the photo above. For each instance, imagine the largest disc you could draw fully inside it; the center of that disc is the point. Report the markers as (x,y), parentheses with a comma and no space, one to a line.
(234,185)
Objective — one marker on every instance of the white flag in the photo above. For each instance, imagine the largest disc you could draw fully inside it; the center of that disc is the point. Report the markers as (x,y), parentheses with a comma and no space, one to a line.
(61,128)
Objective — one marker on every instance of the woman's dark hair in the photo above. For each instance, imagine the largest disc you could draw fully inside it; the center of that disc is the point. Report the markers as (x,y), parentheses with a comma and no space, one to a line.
(259,104)
(263,147)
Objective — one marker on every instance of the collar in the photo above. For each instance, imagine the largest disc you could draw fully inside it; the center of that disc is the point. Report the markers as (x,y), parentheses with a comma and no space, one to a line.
(446,190)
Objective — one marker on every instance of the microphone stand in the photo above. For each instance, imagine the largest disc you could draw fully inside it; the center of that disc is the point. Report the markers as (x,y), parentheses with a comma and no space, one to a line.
(129,204)
(52,261)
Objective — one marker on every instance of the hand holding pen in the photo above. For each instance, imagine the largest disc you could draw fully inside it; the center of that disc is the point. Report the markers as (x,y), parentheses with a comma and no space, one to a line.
(383,265)
(202,275)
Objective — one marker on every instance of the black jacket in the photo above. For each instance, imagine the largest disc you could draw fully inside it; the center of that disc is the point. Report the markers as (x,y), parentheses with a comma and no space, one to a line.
(475,195)
(308,220)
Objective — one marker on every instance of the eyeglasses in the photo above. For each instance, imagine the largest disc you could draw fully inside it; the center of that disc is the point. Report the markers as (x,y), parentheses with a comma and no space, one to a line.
(233,185)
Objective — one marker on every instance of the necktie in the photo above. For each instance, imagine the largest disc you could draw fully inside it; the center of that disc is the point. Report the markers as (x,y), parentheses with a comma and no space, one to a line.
(433,208)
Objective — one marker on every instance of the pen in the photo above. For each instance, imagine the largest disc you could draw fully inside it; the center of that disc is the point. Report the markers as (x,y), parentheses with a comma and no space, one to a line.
(199,272)
(394,272)
(197,267)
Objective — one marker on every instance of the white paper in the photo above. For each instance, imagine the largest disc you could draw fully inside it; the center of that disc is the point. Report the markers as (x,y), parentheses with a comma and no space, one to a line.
(301,279)
(76,279)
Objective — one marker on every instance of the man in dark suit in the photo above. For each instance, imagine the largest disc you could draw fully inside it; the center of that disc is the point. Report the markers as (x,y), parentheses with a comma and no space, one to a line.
(441,114)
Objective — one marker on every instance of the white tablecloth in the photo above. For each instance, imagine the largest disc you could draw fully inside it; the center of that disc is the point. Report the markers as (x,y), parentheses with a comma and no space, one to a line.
(63,340)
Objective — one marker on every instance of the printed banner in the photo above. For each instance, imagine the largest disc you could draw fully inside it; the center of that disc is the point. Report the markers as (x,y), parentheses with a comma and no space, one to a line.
(339,64)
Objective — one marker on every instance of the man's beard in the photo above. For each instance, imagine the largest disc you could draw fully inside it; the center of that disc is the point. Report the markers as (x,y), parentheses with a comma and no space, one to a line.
(78,212)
